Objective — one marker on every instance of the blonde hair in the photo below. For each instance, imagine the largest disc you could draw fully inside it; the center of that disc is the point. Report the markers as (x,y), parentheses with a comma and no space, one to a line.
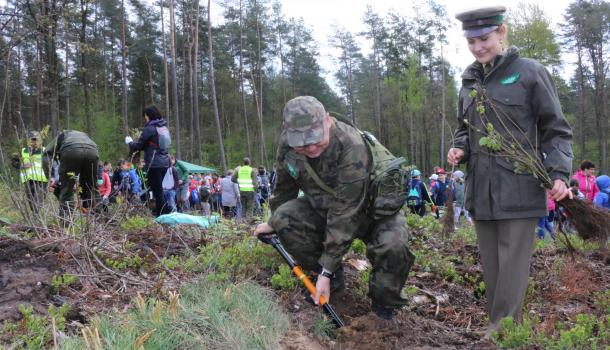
(504,40)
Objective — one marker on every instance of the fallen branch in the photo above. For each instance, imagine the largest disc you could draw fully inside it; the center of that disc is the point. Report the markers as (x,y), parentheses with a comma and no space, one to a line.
(102,265)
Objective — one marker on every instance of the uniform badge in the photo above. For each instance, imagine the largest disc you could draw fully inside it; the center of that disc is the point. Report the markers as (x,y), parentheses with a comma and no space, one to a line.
(292,171)
(511,79)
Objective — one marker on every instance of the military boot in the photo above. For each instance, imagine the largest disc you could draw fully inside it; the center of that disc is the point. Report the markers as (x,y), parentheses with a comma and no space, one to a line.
(386,313)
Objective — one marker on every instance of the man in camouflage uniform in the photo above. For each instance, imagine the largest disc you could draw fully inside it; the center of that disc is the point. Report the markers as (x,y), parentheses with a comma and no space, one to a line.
(78,156)
(318,229)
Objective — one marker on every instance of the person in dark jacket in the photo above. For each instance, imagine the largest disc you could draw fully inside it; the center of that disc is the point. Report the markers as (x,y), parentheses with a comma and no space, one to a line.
(506,204)
(154,141)
(439,190)
(78,156)
(417,194)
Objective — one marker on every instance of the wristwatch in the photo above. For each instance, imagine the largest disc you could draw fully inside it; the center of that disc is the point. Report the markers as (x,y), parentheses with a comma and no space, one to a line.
(326,273)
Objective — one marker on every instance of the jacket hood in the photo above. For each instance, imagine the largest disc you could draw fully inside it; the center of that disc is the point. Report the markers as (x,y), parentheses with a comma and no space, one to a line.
(157,122)
(603,182)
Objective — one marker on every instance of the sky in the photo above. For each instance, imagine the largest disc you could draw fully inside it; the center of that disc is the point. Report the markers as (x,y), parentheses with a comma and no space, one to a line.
(324,15)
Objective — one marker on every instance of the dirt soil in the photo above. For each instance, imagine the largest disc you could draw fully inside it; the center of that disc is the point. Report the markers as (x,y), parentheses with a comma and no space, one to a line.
(28,266)
(446,315)
(442,314)
(26,270)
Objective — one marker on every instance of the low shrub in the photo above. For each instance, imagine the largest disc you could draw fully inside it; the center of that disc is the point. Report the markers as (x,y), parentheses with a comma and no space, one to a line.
(284,278)
(136,223)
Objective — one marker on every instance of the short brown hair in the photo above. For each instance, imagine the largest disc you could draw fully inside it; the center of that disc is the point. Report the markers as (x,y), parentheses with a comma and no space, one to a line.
(586,165)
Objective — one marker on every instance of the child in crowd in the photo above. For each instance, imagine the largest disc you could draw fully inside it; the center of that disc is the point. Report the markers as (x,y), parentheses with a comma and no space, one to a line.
(602,198)
(546,222)
(575,188)
(458,190)
(130,185)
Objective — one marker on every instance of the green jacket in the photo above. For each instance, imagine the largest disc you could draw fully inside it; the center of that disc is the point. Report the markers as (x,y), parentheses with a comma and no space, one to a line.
(67,141)
(523,89)
(343,166)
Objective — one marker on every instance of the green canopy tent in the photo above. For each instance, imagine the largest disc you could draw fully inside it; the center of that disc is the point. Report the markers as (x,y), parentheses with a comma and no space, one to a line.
(185,168)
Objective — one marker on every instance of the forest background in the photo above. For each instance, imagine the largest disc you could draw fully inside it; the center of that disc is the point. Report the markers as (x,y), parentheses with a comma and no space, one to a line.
(93,65)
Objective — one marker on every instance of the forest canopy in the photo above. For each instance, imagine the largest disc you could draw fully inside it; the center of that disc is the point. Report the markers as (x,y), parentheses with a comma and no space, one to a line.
(221,79)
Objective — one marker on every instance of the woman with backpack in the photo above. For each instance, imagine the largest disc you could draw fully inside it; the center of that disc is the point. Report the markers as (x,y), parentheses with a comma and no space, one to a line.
(154,141)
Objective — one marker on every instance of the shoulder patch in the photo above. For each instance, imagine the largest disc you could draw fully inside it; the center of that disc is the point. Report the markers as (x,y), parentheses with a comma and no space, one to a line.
(511,79)
(292,170)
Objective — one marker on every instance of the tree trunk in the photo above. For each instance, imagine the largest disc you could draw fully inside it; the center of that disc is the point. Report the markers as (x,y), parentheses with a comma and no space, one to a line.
(188,78)
(124,70)
(165,74)
(241,82)
(18,116)
(223,162)
(172,44)
(443,115)
(195,84)
(83,63)
(50,31)
(601,122)
(6,85)
(151,83)
(39,88)
(67,86)
(580,122)
(259,104)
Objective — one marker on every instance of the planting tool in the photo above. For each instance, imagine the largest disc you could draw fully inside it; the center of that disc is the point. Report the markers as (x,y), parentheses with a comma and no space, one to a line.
(296,269)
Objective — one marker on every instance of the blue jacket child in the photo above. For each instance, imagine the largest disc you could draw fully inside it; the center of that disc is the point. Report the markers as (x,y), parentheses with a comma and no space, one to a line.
(130,182)
(602,198)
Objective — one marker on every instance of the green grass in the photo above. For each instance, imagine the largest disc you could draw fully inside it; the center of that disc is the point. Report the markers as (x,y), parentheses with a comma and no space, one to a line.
(8,212)
(136,223)
(209,316)
(586,332)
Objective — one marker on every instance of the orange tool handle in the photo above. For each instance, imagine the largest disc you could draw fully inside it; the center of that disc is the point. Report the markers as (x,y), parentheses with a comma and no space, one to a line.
(307,282)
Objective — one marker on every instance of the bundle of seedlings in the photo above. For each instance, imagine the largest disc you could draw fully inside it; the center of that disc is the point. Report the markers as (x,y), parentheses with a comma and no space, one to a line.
(591,222)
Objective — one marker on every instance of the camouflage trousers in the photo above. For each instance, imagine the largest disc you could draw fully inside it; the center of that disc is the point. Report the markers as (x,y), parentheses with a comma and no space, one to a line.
(301,229)
(81,162)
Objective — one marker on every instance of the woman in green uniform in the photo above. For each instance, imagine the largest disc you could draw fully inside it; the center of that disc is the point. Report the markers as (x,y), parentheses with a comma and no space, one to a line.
(506,205)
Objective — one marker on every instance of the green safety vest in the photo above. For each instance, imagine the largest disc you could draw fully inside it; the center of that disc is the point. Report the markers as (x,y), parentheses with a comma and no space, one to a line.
(244,179)
(35,172)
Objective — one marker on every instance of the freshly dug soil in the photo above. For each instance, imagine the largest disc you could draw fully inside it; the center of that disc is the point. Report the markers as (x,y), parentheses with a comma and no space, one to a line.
(25,277)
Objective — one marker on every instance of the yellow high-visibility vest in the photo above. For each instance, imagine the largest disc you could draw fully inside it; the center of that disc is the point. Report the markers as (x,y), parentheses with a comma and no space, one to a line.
(35,172)
(244,179)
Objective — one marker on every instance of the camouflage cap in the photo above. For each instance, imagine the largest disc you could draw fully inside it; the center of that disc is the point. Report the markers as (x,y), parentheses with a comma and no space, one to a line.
(304,121)
(481,20)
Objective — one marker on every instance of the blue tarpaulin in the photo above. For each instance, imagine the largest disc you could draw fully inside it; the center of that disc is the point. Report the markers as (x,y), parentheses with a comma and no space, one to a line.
(174,219)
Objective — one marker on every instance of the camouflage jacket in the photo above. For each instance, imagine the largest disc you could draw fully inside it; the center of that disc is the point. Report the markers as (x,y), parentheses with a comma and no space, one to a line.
(344,167)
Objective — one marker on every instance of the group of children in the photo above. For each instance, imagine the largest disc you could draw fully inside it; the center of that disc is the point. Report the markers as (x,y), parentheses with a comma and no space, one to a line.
(418,195)
(585,186)
(125,183)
